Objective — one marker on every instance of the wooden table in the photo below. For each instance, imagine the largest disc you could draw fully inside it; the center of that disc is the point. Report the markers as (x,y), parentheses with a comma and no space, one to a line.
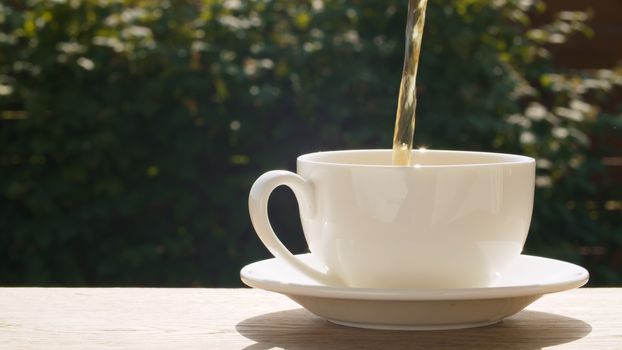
(124,318)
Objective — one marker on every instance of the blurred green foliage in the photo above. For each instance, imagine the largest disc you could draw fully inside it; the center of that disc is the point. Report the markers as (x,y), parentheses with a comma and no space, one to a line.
(131,131)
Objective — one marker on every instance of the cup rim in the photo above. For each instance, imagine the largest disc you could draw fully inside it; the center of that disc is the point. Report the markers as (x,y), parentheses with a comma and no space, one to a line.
(504,159)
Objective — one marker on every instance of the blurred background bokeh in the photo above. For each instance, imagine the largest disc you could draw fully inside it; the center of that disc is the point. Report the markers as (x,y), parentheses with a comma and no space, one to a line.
(131,131)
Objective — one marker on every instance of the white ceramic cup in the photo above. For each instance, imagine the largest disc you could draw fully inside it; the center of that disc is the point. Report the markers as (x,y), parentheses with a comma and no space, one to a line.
(453,220)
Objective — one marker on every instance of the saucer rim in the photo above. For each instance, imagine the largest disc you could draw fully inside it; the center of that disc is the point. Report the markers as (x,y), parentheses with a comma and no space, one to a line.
(577,277)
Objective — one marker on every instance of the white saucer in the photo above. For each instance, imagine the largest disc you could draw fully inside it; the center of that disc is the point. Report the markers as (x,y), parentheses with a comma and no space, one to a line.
(524,282)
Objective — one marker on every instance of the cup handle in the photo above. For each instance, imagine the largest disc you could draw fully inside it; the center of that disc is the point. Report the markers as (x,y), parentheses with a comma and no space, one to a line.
(258,208)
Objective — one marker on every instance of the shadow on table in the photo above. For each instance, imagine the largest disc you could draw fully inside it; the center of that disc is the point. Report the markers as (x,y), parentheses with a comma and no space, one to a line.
(298,329)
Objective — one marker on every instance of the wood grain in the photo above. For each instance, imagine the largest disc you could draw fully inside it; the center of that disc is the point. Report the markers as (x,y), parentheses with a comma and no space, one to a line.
(118,318)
